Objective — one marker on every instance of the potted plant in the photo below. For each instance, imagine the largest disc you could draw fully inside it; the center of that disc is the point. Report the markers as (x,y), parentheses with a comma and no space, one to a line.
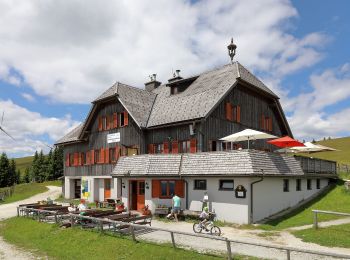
(146,211)
(120,205)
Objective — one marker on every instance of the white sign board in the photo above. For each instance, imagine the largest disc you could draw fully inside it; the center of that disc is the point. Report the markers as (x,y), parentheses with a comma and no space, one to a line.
(113,138)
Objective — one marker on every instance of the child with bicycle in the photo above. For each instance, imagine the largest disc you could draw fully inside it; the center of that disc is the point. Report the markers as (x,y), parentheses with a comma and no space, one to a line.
(204,217)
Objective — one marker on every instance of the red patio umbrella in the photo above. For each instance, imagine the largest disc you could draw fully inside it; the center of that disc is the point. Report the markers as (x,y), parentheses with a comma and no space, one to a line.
(284,142)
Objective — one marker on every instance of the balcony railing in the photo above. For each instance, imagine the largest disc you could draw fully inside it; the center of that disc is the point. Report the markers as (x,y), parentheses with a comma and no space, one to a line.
(317,166)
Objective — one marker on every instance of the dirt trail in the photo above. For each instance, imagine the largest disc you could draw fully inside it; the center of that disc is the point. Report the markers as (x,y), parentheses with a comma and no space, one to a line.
(8,251)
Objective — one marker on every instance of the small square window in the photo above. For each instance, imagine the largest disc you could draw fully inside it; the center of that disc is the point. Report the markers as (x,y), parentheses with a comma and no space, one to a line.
(200,185)
(309,183)
(318,184)
(285,185)
(226,185)
(298,184)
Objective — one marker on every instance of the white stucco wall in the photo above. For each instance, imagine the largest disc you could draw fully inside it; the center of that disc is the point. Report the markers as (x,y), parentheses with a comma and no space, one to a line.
(269,197)
(224,203)
(69,187)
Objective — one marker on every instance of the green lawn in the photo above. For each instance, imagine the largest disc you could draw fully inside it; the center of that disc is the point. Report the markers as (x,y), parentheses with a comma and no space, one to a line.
(23,163)
(333,236)
(337,199)
(26,190)
(54,242)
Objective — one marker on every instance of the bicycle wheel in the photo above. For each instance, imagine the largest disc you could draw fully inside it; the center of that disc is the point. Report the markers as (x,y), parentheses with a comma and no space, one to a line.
(197,228)
(215,230)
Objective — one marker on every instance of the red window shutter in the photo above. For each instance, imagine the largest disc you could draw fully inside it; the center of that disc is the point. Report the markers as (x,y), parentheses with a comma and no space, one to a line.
(87,158)
(180,188)
(117,153)
(115,120)
(151,149)
(100,125)
(238,114)
(166,147)
(229,111)
(193,145)
(102,156)
(79,159)
(156,188)
(67,159)
(92,157)
(175,146)
(106,155)
(262,122)
(126,118)
(75,159)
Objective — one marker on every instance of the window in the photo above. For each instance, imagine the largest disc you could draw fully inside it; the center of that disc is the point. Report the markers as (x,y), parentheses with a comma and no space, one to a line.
(141,188)
(200,185)
(266,123)
(159,148)
(112,155)
(298,184)
(309,187)
(285,185)
(167,188)
(184,146)
(121,119)
(318,184)
(97,156)
(225,184)
(236,114)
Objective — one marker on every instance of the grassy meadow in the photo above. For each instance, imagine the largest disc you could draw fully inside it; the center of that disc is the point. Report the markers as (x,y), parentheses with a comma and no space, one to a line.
(26,190)
(74,243)
(23,163)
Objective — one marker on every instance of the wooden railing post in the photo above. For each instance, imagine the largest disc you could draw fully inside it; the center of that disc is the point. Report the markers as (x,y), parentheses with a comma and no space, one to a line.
(71,220)
(17,211)
(315,220)
(56,221)
(229,253)
(132,232)
(288,254)
(173,239)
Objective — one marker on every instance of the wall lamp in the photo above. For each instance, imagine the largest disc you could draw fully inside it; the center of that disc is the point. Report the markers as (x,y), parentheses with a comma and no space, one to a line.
(123,185)
(147,186)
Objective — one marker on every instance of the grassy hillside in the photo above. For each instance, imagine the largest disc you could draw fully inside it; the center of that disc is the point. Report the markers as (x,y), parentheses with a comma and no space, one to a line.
(23,163)
(341,156)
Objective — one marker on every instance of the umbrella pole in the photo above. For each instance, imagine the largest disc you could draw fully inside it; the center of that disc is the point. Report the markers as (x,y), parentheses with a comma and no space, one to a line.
(248,142)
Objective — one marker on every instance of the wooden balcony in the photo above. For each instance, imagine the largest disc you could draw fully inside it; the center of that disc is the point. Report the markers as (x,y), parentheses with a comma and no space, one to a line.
(317,166)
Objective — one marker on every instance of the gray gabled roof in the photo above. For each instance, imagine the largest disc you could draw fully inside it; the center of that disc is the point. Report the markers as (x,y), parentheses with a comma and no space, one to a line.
(71,136)
(233,163)
(138,102)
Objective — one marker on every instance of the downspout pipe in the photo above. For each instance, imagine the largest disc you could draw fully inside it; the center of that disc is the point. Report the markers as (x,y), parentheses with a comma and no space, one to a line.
(251,195)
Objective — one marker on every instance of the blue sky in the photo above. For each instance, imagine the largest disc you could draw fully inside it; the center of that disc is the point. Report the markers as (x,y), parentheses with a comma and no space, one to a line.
(52,66)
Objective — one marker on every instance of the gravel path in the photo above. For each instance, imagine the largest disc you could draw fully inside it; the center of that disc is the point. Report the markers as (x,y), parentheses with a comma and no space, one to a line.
(322,224)
(8,251)
(283,238)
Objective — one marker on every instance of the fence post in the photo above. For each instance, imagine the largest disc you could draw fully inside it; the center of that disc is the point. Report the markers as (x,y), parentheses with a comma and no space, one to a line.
(288,254)
(229,253)
(56,218)
(101,226)
(71,220)
(172,239)
(315,220)
(17,211)
(132,232)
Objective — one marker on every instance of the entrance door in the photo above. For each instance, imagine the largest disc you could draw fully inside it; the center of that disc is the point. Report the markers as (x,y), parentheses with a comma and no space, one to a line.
(140,195)
(107,189)
(77,189)
(137,195)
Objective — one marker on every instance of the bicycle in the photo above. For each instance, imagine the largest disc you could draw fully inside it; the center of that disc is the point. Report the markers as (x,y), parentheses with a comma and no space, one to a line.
(208,227)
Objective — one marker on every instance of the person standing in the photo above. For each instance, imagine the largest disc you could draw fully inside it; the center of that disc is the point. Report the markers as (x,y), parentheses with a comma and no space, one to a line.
(176,206)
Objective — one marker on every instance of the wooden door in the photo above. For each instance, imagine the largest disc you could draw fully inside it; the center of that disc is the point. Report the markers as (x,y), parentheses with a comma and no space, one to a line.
(140,195)
(107,192)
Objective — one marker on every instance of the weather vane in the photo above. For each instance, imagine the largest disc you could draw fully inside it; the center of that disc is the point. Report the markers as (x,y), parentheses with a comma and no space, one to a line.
(232,50)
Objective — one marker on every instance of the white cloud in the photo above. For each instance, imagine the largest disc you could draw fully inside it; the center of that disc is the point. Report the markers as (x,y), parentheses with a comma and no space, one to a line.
(72,51)
(28,128)
(28,97)
(308,118)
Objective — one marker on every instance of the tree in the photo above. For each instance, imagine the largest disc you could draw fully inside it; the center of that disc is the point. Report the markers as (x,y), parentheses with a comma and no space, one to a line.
(42,167)
(35,167)
(18,177)
(49,164)
(313,141)
(4,170)
(27,175)
(11,178)
(57,162)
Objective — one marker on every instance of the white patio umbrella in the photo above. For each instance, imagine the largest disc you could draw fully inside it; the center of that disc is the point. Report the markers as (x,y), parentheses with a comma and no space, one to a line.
(247,135)
(310,147)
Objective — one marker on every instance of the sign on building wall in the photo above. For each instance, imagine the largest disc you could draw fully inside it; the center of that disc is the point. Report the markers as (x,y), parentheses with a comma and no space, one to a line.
(113,138)
(85,188)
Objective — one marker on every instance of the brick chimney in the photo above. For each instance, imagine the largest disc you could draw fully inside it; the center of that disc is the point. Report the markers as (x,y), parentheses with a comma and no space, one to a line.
(176,76)
(153,83)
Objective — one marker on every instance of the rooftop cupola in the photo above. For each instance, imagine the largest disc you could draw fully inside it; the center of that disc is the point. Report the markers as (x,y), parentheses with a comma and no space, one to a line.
(176,76)
(153,83)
